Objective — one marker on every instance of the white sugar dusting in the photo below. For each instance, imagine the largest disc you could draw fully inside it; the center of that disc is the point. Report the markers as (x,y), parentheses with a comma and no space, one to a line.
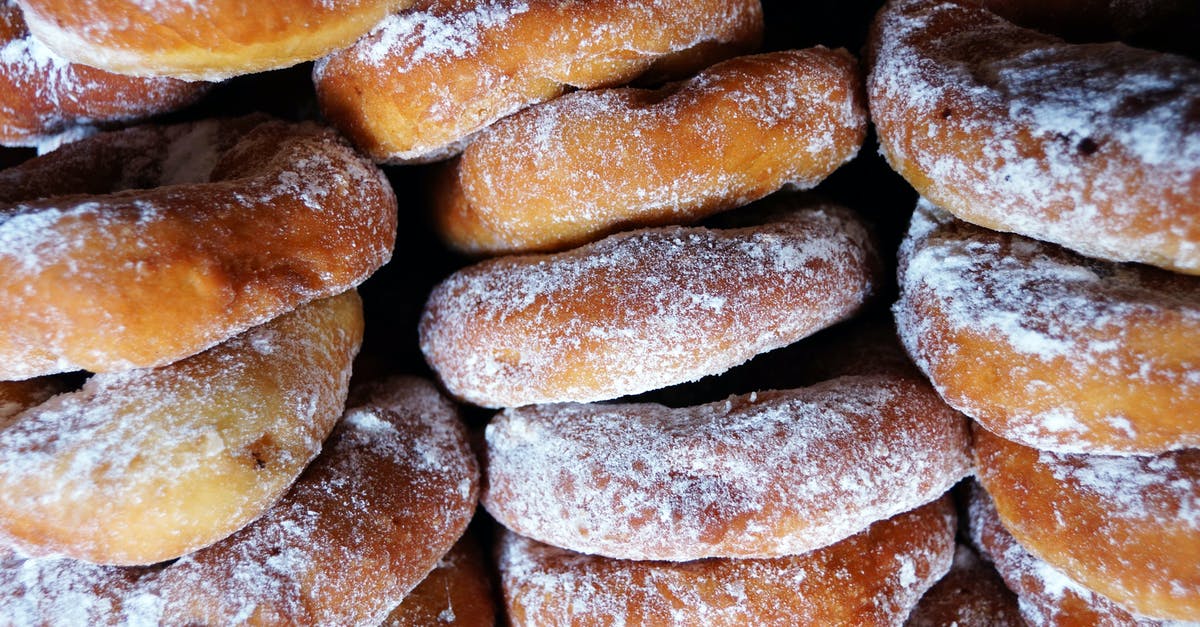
(654,295)
(739,478)
(413,36)
(1118,140)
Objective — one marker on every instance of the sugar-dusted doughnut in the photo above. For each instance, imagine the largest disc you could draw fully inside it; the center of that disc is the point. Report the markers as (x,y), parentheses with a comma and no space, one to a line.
(642,309)
(1095,147)
(1048,348)
(1126,527)
(42,95)
(595,162)
(200,40)
(762,475)
(141,247)
(457,592)
(424,80)
(394,487)
(873,578)
(1047,596)
(970,595)
(146,465)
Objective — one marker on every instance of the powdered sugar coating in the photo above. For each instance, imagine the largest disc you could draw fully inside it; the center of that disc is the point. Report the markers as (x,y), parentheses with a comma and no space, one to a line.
(424,80)
(43,96)
(765,475)
(970,595)
(1048,348)
(100,265)
(194,40)
(145,465)
(1047,596)
(1095,147)
(594,162)
(357,531)
(1125,527)
(642,310)
(875,577)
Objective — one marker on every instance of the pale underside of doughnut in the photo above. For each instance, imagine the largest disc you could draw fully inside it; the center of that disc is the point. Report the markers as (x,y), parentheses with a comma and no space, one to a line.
(642,310)
(211,40)
(873,578)
(146,465)
(393,489)
(1047,597)
(456,592)
(1049,348)
(1092,146)
(425,79)
(221,225)
(595,162)
(43,96)
(970,595)
(1126,527)
(764,475)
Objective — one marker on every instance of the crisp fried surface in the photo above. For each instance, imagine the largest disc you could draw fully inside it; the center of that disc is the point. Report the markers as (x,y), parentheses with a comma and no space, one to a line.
(210,40)
(1049,348)
(138,248)
(1092,146)
(426,79)
(1126,527)
(457,592)
(595,162)
(873,578)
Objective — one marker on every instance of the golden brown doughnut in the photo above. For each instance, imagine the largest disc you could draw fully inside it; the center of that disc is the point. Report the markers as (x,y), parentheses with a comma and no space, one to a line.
(146,465)
(210,40)
(422,81)
(970,595)
(1125,527)
(873,578)
(1047,596)
(642,309)
(392,490)
(1094,147)
(762,475)
(42,95)
(457,592)
(595,162)
(1048,348)
(138,248)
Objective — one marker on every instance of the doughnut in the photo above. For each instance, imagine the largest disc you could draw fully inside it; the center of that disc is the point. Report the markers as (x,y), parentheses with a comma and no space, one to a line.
(873,578)
(1047,596)
(457,592)
(1048,348)
(391,492)
(42,95)
(1125,527)
(595,162)
(643,309)
(146,465)
(1095,147)
(970,595)
(138,248)
(424,80)
(191,40)
(761,475)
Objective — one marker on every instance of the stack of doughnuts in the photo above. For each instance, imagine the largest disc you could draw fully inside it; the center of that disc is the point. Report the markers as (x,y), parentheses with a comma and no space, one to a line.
(692,392)
(1045,168)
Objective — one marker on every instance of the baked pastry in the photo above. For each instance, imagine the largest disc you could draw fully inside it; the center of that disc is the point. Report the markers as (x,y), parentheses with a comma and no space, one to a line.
(457,591)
